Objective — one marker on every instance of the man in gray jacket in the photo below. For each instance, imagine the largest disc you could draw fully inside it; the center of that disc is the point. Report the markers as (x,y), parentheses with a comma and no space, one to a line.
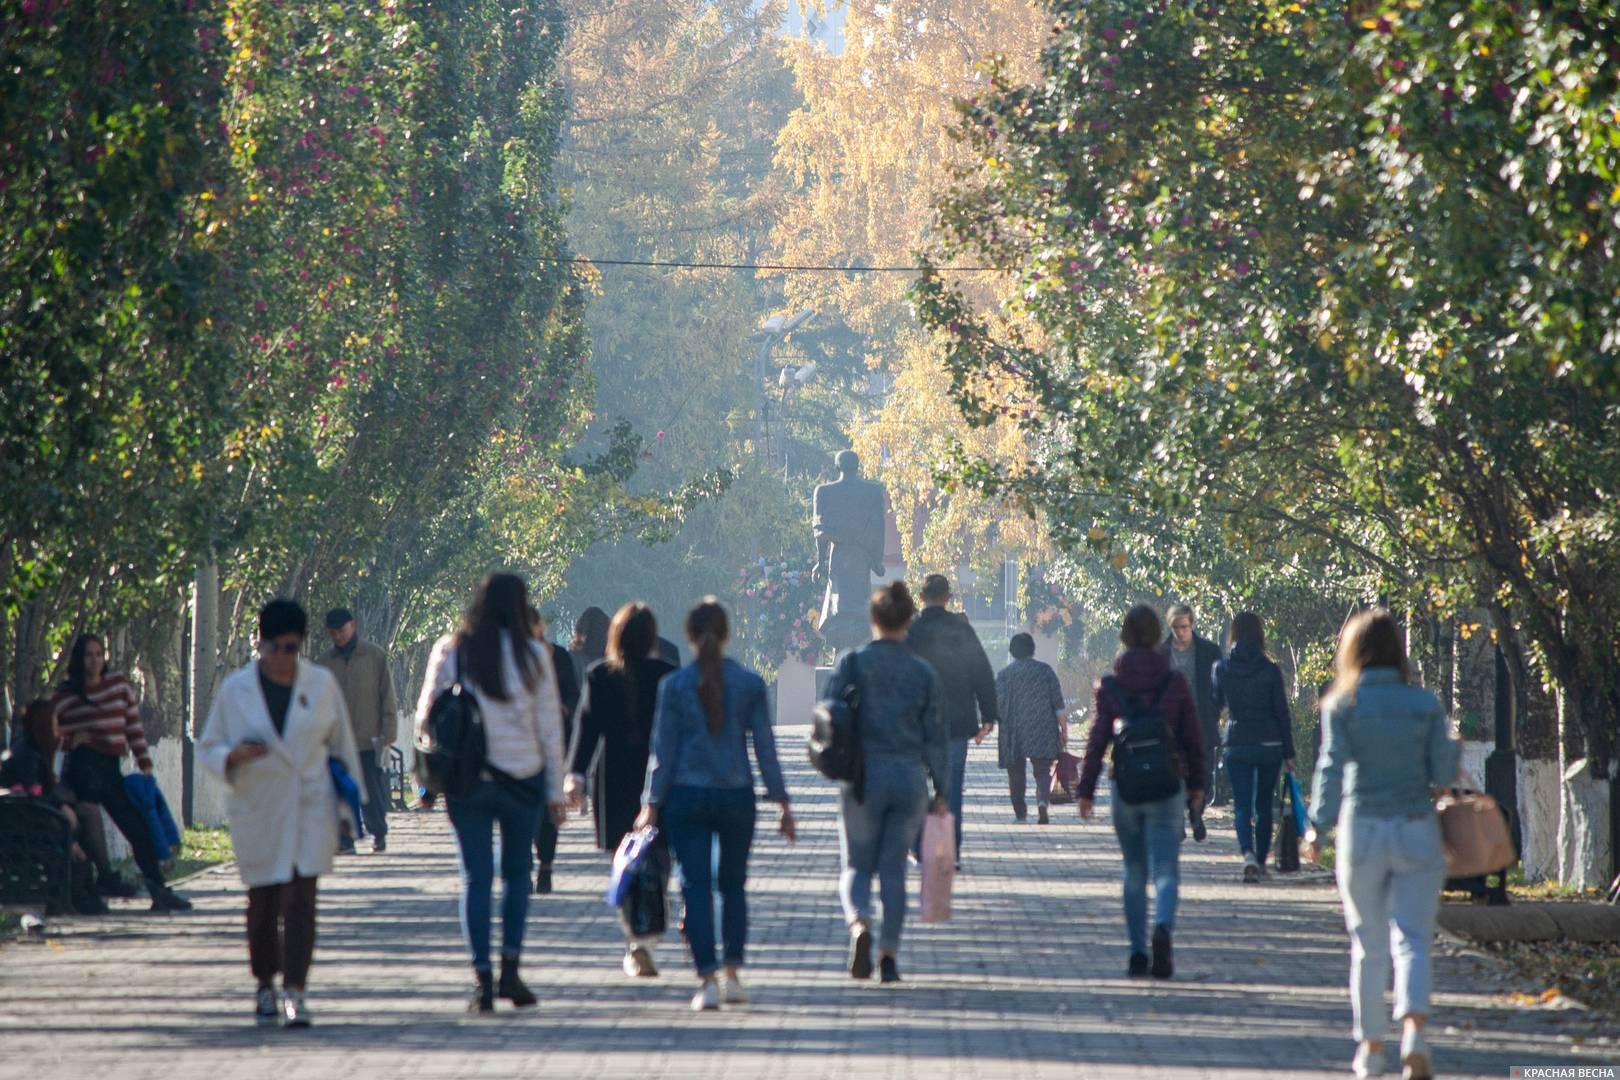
(947,641)
(368,689)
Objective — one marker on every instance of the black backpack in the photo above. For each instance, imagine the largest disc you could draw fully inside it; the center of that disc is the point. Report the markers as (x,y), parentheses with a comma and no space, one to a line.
(1147,767)
(450,748)
(835,734)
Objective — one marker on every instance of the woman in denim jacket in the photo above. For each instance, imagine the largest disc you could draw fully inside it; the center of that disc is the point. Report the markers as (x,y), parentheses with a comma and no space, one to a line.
(1386,747)
(904,741)
(700,785)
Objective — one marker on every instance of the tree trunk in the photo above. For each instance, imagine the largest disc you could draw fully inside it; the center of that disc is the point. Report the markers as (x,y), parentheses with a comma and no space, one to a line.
(1585,838)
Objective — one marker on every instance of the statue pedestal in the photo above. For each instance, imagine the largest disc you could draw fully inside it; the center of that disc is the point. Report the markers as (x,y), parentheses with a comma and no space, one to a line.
(795,692)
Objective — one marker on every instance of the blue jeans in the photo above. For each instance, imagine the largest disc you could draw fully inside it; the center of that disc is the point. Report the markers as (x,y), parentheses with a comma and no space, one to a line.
(1150,839)
(693,817)
(1254,771)
(1390,871)
(873,837)
(474,817)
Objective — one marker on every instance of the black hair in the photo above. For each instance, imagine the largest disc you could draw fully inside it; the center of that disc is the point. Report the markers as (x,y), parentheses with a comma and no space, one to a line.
(591,634)
(75,672)
(632,636)
(1022,646)
(936,587)
(499,613)
(1141,629)
(282,616)
(1246,629)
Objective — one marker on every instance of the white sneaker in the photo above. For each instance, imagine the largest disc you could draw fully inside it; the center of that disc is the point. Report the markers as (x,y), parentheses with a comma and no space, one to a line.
(294,1014)
(1251,869)
(1368,1062)
(1415,1063)
(735,993)
(707,999)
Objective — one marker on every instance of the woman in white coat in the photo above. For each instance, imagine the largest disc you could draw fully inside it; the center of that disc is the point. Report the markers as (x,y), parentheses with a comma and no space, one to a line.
(270,733)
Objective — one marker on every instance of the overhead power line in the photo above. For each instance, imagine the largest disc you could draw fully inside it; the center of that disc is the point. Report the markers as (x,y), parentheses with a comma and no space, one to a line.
(583,260)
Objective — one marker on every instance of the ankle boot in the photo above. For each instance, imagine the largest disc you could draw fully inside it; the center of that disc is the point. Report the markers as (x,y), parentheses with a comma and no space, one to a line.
(511,987)
(165,898)
(482,999)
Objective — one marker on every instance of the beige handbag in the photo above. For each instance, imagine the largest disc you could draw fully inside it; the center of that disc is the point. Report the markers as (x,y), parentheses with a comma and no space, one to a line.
(1475,833)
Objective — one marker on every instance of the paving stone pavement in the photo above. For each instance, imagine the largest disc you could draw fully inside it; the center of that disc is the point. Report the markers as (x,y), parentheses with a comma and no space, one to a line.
(1026,981)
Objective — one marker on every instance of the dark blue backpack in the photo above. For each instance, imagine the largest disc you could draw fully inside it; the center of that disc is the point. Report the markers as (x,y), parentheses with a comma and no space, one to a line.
(1147,767)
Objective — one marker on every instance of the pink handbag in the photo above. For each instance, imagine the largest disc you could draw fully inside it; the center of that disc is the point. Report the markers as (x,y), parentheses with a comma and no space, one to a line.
(938,866)
(1475,833)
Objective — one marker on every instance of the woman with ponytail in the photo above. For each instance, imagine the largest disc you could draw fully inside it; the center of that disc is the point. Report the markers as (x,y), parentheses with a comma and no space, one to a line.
(700,789)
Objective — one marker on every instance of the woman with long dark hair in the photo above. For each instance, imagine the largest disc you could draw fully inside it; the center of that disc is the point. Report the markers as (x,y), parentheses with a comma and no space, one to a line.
(99,724)
(1390,862)
(510,675)
(616,716)
(1259,736)
(700,786)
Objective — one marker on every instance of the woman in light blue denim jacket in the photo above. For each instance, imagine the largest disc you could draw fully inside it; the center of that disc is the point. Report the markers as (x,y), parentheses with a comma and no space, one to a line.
(1386,747)
(699,782)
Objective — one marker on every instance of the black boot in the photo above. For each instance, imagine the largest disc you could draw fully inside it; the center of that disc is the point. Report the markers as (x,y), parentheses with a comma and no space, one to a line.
(114,885)
(511,987)
(165,898)
(1163,968)
(482,999)
(542,879)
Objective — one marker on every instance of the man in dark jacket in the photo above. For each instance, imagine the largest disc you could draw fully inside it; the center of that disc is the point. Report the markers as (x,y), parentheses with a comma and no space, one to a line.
(1193,657)
(947,641)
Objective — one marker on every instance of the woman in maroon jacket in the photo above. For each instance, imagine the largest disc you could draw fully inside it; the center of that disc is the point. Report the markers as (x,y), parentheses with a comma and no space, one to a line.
(1149,831)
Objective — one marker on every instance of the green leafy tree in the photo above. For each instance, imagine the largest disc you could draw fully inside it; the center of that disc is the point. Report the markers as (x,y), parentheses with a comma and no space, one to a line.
(112,382)
(1335,286)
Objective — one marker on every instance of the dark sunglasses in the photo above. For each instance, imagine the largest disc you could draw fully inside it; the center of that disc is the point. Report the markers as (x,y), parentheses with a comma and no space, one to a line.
(285,648)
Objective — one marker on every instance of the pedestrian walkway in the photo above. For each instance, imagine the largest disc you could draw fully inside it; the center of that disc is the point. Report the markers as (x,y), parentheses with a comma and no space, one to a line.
(1027,981)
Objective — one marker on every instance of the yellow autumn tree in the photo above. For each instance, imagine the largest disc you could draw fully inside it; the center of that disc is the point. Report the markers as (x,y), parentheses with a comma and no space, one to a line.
(865,156)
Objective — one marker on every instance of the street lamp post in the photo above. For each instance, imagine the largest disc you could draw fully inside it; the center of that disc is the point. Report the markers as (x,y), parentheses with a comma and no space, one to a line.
(771,331)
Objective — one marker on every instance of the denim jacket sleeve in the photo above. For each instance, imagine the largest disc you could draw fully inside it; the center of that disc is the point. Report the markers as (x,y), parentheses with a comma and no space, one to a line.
(666,746)
(759,727)
(842,675)
(1328,786)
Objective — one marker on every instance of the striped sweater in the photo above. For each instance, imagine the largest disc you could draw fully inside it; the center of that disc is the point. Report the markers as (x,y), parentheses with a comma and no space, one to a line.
(107,715)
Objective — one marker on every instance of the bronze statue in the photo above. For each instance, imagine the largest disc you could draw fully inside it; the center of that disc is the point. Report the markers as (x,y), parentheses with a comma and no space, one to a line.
(848,522)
